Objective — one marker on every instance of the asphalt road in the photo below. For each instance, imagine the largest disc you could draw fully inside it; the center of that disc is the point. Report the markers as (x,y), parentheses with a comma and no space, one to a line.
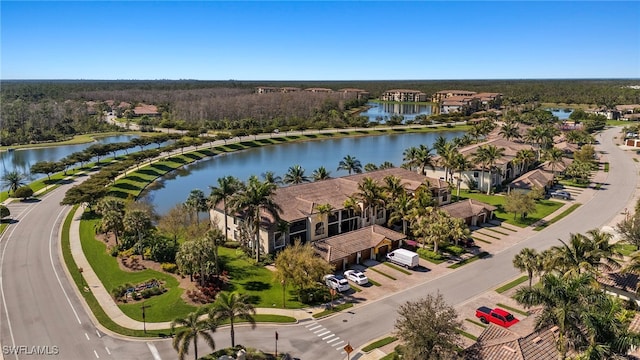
(40,308)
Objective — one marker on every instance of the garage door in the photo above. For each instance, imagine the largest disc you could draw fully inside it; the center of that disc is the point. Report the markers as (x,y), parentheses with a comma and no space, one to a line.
(365,255)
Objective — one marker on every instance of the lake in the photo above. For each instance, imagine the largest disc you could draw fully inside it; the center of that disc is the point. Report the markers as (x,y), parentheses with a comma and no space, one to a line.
(175,187)
(381,112)
(22,159)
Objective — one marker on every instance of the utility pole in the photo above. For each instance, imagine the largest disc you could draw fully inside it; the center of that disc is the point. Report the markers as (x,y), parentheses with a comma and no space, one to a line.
(144,322)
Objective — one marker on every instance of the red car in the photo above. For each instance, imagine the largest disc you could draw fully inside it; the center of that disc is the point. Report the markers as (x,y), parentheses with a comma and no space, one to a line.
(496,316)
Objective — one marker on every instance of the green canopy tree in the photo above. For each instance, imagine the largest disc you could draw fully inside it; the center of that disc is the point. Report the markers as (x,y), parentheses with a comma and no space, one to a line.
(232,306)
(189,329)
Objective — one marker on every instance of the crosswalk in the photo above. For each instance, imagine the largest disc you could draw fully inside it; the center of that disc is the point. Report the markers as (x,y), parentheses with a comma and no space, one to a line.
(327,336)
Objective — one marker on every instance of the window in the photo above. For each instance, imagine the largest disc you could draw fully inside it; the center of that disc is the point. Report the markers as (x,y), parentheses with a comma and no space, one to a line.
(278,240)
(380,214)
(319,229)
(475,174)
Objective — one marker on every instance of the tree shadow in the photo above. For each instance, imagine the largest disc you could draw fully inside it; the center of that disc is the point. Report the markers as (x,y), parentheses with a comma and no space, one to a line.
(256,286)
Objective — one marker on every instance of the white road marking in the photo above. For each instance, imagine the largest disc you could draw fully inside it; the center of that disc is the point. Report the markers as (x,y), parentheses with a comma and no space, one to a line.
(324,333)
(108,352)
(315,327)
(154,351)
(54,268)
(95,352)
(338,344)
(87,336)
(332,340)
(321,329)
(98,332)
(327,337)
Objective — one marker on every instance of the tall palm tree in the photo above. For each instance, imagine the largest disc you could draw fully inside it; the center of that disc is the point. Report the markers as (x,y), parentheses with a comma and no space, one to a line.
(232,306)
(586,253)
(410,157)
(565,301)
(555,157)
(460,164)
(371,194)
(227,186)
(350,164)
(190,328)
(196,203)
(425,159)
(528,260)
(491,156)
(401,206)
(112,211)
(320,173)
(480,157)
(447,153)
(524,158)
(393,187)
(295,175)
(254,198)
(13,180)
(351,204)
(138,222)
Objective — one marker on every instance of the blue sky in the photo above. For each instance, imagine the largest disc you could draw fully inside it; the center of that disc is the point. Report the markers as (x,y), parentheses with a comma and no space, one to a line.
(318,40)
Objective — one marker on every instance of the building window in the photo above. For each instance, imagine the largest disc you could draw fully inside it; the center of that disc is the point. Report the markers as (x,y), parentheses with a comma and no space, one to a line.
(475,174)
(278,240)
(319,229)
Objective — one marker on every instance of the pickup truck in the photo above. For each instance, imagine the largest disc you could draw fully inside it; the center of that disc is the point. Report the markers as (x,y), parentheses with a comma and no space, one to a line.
(496,316)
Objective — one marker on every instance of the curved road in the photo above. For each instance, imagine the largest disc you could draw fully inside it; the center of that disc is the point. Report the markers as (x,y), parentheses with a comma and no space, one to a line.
(40,307)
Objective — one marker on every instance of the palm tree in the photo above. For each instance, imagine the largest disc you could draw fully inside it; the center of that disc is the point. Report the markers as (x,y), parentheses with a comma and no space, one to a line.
(386,165)
(401,210)
(447,153)
(528,260)
(524,158)
(582,253)
(189,329)
(270,176)
(480,157)
(565,303)
(555,157)
(232,306)
(112,211)
(295,175)
(196,203)
(351,164)
(509,131)
(491,155)
(227,186)
(254,198)
(424,159)
(13,180)
(393,187)
(460,163)
(410,157)
(320,173)
(371,194)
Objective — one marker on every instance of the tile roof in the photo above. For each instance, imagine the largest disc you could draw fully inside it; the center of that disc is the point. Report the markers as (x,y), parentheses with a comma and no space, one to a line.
(343,245)
(537,177)
(622,281)
(144,109)
(466,208)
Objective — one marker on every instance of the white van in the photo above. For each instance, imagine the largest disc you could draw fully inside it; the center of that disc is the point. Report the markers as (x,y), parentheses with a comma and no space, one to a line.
(403,257)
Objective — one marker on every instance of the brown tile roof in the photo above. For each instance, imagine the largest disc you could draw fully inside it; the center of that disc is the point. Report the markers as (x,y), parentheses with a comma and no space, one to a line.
(519,342)
(466,208)
(619,280)
(537,177)
(546,166)
(456,92)
(298,201)
(319,89)
(404,91)
(343,245)
(627,107)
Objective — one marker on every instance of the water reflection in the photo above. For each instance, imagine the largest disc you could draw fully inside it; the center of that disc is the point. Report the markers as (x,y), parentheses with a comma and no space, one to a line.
(175,187)
(382,112)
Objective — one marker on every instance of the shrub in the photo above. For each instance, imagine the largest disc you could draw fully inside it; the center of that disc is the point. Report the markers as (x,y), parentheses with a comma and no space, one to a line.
(126,253)
(23,192)
(232,244)
(146,293)
(428,254)
(169,267)
(4,212)
(114,250)
(453,249)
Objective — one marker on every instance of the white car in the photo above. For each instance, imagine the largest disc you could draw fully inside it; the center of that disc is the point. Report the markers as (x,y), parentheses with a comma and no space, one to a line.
(356,276)
(339,284)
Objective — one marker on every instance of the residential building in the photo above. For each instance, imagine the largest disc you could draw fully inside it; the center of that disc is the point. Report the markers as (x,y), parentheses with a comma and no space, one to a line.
(403,95)
(299,204)
(144,109)
(473,212)
(444,94)
(504,167)
(319,90)
(357,93)
(272,89)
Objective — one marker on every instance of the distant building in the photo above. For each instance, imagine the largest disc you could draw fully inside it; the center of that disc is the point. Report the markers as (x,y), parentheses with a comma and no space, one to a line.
(445,94)
(144,109)
(357,93)
(403,95)
(272,89)
(463,101)
(319,90)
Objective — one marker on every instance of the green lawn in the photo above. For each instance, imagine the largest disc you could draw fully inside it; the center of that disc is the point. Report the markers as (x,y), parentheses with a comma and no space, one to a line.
(256,281)
(543,208)
(558,217)
(627,249)
(78,139)
(165,307)
(512,284)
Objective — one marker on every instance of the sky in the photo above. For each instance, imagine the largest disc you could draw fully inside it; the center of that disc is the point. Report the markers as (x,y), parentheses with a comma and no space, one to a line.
(319,40)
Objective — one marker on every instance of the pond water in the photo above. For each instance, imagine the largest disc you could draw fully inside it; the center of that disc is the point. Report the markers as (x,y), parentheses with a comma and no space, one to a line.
(22,159)
(562,114)
(175,187)
(381,112)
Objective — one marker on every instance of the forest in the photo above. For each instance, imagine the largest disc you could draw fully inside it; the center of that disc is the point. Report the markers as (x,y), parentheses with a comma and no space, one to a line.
(37,111)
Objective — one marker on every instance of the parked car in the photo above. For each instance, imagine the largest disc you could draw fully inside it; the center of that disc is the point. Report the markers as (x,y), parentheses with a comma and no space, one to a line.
(356,276)
(497,316)
(403,257)
(560,194)
(334,282)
